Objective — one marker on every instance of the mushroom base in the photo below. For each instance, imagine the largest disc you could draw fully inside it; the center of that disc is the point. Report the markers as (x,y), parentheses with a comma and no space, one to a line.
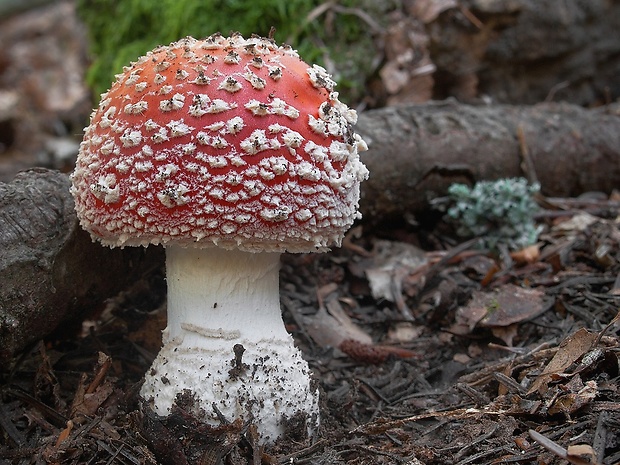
(260,388)
(226,343)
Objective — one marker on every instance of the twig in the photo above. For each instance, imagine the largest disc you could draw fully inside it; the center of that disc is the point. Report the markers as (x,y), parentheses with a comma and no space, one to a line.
(348,243)
(527,163)
(476,458)
(604,330)
(449,255)
(380,426)
(471,444)
(475,395)
(103,365)
(56,418)
(9,428)
(556,449)
(120,451)
(600,435)
(116,454)
(559,86)
(332,5)
(303,452)
(376,28)
(383,453)
(509,383)
(543,351)
(471,17)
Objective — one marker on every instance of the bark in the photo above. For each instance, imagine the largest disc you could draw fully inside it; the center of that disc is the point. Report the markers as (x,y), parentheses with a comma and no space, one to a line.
(416,152)
(50,270)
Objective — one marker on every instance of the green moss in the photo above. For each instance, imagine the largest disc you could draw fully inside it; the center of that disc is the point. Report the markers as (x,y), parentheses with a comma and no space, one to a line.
(122,30)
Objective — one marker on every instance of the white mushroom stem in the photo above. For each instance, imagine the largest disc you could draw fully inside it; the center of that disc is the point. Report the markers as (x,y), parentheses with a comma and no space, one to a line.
(218,299)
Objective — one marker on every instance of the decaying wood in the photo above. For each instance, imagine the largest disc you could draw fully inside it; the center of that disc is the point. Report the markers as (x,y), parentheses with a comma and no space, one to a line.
(50,270)
(416,152)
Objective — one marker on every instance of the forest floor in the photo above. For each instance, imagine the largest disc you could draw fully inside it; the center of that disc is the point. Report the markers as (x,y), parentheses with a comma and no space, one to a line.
(425,349)
(443,356)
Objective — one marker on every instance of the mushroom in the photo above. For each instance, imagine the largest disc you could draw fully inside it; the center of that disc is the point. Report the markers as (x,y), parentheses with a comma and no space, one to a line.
(228,152)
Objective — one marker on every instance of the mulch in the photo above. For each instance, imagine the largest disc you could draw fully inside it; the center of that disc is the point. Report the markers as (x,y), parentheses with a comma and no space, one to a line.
(448,355)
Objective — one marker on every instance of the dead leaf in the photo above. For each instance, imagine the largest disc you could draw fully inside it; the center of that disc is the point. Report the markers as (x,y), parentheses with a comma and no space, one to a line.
(526,255)
(570,350)
(461,358)
(104,363)
(514,305)
(501,307)
(506,333)
(573,401)
(90,403)
(391,263)
(578,223)
(581,450)
(407,74)
(404,331)
(394,77)
(331,325)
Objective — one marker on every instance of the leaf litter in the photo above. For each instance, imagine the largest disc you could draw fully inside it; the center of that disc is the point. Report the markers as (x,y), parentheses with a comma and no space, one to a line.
(422,357)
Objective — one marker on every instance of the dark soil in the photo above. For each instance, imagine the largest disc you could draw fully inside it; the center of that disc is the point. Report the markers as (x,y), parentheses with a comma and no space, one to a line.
(435,387)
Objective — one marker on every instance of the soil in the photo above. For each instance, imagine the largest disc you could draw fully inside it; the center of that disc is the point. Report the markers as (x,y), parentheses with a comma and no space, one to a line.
(425,349)
(438,383)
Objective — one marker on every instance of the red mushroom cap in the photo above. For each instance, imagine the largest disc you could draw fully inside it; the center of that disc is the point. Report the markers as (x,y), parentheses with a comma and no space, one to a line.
(224,141)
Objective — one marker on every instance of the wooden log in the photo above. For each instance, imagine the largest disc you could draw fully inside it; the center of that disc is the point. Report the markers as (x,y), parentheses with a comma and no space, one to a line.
(50,270)
(416,152)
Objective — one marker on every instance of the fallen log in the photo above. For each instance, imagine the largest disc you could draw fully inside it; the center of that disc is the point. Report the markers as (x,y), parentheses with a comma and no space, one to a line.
(50,270)
(416,152)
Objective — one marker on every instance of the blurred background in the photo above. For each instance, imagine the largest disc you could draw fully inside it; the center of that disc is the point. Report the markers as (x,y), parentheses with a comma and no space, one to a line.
(58,56)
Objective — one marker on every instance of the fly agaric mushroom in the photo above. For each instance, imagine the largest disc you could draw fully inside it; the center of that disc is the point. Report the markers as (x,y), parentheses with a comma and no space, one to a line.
(227,151)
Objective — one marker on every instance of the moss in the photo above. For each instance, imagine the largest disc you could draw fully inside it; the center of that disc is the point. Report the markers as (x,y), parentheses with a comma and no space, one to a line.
(121,31)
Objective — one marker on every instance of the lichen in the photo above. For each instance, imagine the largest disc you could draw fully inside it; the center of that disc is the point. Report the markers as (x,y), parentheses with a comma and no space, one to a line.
(500,213)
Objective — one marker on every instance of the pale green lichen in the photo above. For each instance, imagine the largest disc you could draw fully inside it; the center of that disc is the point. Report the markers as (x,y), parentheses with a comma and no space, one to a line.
(500,213)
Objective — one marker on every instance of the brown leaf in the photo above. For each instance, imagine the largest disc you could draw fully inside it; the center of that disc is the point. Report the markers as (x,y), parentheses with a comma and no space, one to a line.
(571,349)
(330,326)
(505,333)
(526,255)
(89,403)
(502,307)
(579,451)
(570,403)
